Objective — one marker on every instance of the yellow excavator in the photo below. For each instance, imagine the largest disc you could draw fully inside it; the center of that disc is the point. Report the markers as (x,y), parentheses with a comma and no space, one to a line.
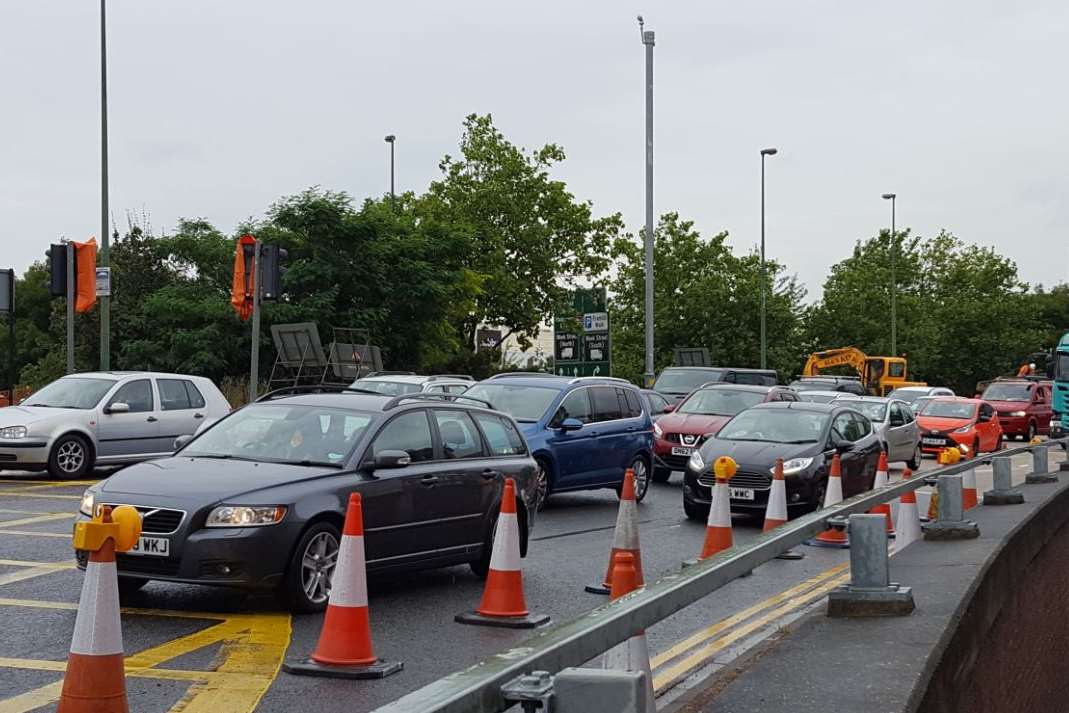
(880,375)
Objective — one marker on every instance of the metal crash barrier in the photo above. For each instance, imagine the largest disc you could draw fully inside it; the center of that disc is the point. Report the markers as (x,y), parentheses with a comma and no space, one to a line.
(519,676)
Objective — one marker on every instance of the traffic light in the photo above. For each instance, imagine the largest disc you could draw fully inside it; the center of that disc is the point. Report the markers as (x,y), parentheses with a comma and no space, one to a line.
(272,268)
(57,270)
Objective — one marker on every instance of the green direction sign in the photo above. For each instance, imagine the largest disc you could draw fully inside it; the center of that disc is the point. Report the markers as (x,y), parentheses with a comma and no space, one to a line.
(582,346)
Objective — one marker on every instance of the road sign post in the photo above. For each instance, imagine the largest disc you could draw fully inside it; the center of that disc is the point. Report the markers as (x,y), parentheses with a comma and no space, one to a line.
(582,343)
(254,362)
(7,304)
(70,307)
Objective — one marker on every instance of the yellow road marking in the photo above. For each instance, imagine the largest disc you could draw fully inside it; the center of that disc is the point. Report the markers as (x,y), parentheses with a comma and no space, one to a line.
(37,518)
(30,533)
(31,572)
(18,512)
(132,611)
(37,484)
(23,494)
(175,674)
(26,563)
(708,633)
(31,700)
(662,680)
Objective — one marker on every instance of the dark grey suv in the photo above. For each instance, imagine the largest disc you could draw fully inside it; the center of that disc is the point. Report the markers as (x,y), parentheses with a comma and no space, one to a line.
(258,499)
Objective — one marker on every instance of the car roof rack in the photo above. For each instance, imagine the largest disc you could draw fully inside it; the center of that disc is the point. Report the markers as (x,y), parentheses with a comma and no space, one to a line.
(424,396)
(508,374)
(314,389)
(578,379)
(457,377)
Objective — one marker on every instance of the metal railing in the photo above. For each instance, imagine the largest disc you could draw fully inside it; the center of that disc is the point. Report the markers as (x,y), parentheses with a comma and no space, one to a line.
(478,689)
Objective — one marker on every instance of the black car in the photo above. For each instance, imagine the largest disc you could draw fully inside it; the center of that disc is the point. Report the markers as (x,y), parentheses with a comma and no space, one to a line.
(258,499)
(675,382)
(804,435)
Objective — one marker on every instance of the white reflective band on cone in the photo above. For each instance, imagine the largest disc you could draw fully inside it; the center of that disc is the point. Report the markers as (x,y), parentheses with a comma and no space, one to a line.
(968,479)
(625,536)
(907,526)
(881,479)
(834,494)
(632,655)
(97,631)
(777,501)
(506,554)
(720,509)
(348,586)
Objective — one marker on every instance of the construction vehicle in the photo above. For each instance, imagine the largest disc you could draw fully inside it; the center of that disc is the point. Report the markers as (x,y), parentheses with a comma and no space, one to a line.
(1059,423)
(880,375)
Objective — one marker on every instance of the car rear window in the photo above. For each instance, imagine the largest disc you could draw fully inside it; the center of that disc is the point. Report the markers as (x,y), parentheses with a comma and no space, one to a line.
(683,381)
(522,402)
(1008,392)
(949,409)
(501,435)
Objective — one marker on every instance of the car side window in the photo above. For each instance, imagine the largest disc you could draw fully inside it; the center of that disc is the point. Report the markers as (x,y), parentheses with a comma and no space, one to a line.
(173,395)
(410,432)
(575,405)
(136,394)
(629,398)
(196,399)
(502,436)
(862,426)
(436,389)
(457,434)
(606,403)
(840,427)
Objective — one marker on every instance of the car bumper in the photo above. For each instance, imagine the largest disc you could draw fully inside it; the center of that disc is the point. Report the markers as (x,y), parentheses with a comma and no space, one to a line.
(664,459)
(246,557)
(950,440)
(1014,425)
(799,493)
(24,453)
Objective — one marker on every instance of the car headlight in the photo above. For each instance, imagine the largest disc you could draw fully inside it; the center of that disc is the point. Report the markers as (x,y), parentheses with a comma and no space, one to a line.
(1019,414)
(12,432)
(245,515)
(793,466)
(696,462)
(963,448)
(88,501)
(963,429)
(658,431)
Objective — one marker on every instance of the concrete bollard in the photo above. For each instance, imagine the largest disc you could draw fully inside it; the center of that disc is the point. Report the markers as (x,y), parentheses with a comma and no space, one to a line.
(588,690)
(950,523)
(870,591)
(1003,492)
(1041,467)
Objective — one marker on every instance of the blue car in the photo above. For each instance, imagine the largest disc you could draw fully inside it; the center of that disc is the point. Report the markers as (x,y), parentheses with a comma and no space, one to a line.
(583,432)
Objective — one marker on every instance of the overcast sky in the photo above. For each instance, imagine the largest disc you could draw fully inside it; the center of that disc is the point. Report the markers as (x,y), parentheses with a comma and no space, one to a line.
(219,108)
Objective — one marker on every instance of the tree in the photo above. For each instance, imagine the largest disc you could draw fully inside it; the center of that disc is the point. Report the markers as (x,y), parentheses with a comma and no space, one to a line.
(704,296)
(531,240)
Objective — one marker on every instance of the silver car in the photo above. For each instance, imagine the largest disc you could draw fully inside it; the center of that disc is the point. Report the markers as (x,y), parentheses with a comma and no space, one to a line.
(895,425)
(397,384)
(107,418)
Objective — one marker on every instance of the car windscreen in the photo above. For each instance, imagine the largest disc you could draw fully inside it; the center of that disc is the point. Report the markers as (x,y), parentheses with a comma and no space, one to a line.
(683,381)
(1061,367)
(388,388)
(776,426)
(1008,392)
(522,402)
(907,395)
(949,409)
(818,385)
(720,402)
(283,433)
(874,411)
(71,392)
(816,398)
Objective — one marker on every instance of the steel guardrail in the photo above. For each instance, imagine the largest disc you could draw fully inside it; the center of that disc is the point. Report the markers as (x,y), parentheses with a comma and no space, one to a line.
(573,643)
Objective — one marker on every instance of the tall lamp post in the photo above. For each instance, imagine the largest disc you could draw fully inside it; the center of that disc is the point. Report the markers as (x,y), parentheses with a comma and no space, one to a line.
(105,232)
(391,139)
(894,282)
(648,41)
(764,276)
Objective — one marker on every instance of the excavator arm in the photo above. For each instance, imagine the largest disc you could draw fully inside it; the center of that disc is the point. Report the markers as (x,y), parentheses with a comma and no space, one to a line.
(845,356)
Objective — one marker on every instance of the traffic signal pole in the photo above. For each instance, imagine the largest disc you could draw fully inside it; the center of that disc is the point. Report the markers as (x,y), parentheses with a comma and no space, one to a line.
(254,361)
(71,262)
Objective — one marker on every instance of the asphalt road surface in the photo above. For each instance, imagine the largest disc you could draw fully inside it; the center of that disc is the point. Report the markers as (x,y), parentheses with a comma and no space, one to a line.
(203,649)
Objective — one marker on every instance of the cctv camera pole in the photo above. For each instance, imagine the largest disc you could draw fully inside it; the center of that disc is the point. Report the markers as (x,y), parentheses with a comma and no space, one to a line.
(254,365)
(70,307)
(648,41)
(105,232)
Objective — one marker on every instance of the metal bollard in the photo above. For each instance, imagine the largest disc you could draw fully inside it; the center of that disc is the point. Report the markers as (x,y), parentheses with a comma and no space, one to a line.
(1003,493)
(579,690)
(1041,467)
(950,523)
(870,591)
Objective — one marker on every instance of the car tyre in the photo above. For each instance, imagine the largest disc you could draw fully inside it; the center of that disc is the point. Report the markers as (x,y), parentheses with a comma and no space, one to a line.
(816,501)
(915,463)
(543,483)
(128,586)
(70,458)
(1031,431)
(661,475)
(481,567)
(316,553)
(695,511)
(642,478)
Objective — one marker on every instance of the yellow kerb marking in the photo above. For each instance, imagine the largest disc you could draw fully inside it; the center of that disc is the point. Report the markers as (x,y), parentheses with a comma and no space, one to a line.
(30,533)
(43,496)
(49,517)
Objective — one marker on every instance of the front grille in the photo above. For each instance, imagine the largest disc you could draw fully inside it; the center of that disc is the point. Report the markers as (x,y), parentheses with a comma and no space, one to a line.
(160,566)
(158,521)
(743,479)
(8,456)
(691,440)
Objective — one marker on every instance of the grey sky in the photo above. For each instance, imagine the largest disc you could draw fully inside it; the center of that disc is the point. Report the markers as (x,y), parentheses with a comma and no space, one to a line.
(219,108)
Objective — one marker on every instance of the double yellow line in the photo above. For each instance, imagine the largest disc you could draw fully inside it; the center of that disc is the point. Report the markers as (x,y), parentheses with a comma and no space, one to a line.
(672,665)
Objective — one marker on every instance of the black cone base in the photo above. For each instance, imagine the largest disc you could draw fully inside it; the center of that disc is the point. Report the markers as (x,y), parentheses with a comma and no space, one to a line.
(529,621)
(597,589)
(379,669)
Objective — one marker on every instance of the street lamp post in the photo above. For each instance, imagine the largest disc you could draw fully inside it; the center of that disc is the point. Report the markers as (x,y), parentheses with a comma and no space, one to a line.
(648,42)
(764,276)
(894,282)
(391,139)
(105,232)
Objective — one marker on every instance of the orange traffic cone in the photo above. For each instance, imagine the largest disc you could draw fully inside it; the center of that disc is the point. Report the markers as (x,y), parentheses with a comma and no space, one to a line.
(503,603)
(633,654)
(344,649)
(969,497)
(776,510)
(625,537)
(832,496)
(909,522)
(718,535)
(95,680)
(881,482)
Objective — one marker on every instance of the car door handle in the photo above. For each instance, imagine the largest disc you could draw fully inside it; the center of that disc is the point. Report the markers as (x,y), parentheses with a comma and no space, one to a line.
(152,419)
(490,474)
(428,480)
(198,415)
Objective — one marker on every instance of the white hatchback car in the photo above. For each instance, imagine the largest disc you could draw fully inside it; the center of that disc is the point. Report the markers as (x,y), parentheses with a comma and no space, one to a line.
(105,418)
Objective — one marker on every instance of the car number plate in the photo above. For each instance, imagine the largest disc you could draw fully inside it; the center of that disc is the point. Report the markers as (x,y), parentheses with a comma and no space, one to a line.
(681,451)
(742,493)
(933,441)
(151,546)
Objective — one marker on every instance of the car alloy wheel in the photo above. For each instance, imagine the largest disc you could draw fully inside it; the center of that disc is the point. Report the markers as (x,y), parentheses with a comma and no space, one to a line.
(70,456)
(317,566)
(541,485)
(1031,432)
(642,477)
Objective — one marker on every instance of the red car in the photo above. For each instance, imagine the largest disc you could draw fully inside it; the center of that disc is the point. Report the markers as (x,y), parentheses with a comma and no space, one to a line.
(970,424)
(700,415)
(1023,406)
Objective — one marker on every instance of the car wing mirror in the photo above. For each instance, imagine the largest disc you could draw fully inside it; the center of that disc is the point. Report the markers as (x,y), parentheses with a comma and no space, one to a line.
(118,407)
(570,424)
(181,441)
(391,459)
